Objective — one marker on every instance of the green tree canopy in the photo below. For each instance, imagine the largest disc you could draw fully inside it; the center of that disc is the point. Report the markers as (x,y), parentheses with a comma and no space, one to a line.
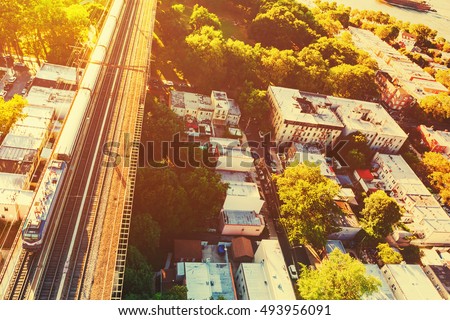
(438,167)
(340,277)
(356,152)
(356,82)
(437,106)
(443,76)
(138,281)
(283,24)
(380,213)
(254,105)
(201,17)
(388,255)
(308,210)
(10,112)
(145,234)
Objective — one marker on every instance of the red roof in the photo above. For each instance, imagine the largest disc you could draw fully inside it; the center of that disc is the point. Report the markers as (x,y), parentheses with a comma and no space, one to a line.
(365,174)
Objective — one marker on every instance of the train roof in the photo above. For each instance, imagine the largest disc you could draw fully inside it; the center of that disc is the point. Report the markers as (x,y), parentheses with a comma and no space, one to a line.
(45,194)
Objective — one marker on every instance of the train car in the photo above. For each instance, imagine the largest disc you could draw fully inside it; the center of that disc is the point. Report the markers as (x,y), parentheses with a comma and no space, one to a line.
(39,217)
(73,124)
(37,222)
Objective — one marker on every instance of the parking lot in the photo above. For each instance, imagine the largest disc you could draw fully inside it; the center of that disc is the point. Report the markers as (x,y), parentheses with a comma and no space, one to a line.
(17,83)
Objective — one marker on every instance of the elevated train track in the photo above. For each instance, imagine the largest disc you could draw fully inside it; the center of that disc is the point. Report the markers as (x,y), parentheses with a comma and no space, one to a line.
(57,271)
(65,265)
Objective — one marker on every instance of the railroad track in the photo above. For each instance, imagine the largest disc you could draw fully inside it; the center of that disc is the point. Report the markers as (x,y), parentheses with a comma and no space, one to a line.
(20,279)
(65,266)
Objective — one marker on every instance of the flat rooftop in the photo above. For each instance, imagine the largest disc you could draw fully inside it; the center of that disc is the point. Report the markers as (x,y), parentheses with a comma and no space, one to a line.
(233,176)
(12,180)
(22,142)
(54,72)
(315,160)
(39,111)
(188,100)
(224,143)
(305,108)
(209,280)
(366,117)
(243,189)
(19,197)
(384,292)
(334,244)
(255,279)
(413,282)
(17,154)
(13,166)
(20,130)
(275,269)
(403,174)
(237,217)
(33,122)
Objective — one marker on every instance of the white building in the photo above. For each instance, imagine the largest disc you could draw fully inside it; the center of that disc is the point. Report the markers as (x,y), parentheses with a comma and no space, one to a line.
(205,281)
(56,76)
(267,278)
(373,121)
(15,204)
(217,108)
(241,223)
(302,117)
(403,72)
(424,214)
(57,99)
(384,292)
(243,196)
(437,140)
(409,282)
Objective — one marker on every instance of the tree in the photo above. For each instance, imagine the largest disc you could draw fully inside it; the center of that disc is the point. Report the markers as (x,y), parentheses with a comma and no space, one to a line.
(177,292)
(145,234)
(138,281)
(161,195)
(356,82)
(388,255)
(356,151)
(380,213)
(202,17)
(160,124)
(308,210)
(10,112)
(387,32)
(438,167)
(206,57)
(437,106)
(340,277)
(254,106)
(206,193)
(283,24)
(443,76)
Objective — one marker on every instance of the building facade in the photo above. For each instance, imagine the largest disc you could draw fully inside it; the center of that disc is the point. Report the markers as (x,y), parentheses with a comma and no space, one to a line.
(436,140)
(267,278)
(302,117)
(373,121)
(216,108)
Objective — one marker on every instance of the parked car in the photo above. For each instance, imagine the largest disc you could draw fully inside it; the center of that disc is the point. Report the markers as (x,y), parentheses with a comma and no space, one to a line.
(293,272)
(24,92)
(11,80)
(3,93)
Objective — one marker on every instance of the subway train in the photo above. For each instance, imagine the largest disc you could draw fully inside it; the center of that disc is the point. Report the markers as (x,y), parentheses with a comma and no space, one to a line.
(40,215)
